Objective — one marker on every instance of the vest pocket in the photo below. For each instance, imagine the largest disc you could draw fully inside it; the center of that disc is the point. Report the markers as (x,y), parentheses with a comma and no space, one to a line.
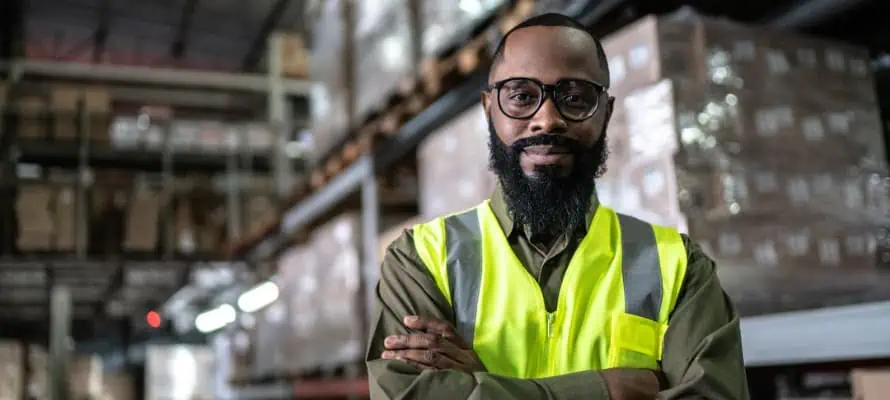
(635,342)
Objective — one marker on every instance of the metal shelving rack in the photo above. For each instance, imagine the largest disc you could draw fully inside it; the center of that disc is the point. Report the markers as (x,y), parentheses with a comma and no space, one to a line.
(155,84)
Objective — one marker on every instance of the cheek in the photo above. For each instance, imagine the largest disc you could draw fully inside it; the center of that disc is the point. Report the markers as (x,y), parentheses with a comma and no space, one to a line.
(508,129)
(587,133)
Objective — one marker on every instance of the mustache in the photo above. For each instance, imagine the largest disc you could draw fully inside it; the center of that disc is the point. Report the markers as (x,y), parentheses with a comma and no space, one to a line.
(545,140)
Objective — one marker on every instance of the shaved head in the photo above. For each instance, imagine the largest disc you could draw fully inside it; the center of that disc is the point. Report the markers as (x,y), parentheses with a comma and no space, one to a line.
(553,20)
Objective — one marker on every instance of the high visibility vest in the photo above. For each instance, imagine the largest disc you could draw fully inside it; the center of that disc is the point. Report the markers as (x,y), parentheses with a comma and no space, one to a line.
(614,303)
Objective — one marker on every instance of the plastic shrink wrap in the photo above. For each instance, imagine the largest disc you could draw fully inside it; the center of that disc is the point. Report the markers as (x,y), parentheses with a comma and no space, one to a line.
(179,372)
(298,271)
(453,166)
(270,333)
(448,24)
(384,53)
(767,148)
(320,284)
(12,370)
(329,98)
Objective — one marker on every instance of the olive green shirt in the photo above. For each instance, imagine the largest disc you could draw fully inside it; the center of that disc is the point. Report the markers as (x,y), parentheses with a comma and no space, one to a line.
(702,350)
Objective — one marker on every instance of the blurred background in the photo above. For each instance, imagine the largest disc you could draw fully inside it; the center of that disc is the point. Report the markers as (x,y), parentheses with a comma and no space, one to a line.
(197,193)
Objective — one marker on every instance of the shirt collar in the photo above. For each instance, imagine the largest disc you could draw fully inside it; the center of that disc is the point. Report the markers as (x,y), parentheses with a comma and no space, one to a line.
(501,212)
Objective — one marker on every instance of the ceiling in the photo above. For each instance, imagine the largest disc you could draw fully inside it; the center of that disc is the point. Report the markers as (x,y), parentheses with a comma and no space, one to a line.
(216,34)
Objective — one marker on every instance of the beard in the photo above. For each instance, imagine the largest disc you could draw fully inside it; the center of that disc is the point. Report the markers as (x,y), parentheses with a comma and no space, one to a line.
(554,199)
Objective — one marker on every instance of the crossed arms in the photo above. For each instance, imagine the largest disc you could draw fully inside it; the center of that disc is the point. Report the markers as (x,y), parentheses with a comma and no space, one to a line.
(422,358)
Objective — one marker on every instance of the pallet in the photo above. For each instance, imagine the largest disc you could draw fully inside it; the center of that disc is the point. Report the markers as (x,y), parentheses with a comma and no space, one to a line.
(413,94)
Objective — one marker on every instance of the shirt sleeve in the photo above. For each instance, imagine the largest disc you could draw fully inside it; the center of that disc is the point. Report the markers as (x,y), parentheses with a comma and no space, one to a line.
(703,345)
(407,288)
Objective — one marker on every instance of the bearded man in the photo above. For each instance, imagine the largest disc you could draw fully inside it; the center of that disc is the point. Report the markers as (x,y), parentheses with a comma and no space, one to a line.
(541,292)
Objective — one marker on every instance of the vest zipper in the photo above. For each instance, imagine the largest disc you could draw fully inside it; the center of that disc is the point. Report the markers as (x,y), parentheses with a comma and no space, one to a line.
(548,356)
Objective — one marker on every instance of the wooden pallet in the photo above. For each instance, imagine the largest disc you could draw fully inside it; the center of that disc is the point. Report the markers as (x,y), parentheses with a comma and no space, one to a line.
(435,77)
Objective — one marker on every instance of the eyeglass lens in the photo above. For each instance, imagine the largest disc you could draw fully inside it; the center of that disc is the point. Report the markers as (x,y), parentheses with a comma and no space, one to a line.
(521,98)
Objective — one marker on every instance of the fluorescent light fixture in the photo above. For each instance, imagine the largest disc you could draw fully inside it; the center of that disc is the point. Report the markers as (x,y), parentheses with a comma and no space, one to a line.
(209,321)
(258,297)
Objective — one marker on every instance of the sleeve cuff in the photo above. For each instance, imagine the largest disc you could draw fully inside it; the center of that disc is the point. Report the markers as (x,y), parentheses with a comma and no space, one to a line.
(579,385)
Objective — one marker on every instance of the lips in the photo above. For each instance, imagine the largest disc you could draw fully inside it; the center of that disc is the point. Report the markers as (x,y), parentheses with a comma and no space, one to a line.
(546,154)
(546,150)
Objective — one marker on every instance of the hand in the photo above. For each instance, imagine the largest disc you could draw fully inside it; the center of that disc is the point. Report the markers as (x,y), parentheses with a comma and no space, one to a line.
(631,384)
(435,346)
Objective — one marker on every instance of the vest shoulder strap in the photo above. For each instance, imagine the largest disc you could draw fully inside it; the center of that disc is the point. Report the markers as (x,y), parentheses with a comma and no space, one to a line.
(653,266)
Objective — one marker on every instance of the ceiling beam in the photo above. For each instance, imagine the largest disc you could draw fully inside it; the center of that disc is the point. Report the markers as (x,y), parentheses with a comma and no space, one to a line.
(273,18)
(100,37)
(12,28)
(177,51)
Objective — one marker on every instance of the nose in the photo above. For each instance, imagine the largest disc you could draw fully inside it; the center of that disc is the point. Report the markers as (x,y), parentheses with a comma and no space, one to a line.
(548,120)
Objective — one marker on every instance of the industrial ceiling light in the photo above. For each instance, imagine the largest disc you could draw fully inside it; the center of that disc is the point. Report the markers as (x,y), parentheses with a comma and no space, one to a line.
(258,297)
(214,319)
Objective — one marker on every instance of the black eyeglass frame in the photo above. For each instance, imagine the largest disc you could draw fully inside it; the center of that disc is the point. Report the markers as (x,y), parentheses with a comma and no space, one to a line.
(548,90)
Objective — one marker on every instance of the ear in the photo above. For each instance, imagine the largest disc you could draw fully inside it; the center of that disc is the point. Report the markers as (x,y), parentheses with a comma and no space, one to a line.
(486,102)
(610,107)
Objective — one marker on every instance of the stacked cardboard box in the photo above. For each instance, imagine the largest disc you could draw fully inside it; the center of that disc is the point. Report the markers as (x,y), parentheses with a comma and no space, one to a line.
(766,147)
(118,386)
(329,332)
(38,372)
(448,24)
(179,372)
(330,100)
(33,116)
(298,269)
(384,53)
(337,245)
(453,166)
(12,370)
(64,104)
(259,210)
(143,214)
(34,211)
(85,377)
(294,56)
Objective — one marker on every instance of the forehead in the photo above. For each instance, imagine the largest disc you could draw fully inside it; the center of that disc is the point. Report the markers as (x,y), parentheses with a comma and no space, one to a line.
(550,53)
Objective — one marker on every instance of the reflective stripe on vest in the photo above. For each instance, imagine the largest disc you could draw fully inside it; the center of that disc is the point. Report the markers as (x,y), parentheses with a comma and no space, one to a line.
(463,249)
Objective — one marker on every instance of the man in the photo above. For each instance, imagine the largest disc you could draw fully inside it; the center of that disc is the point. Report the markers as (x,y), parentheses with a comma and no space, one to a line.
(540,292)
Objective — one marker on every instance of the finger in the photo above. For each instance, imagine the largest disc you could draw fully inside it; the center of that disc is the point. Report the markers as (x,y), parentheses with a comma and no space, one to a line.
(418,340)
(430,325)
(429,358)
(389,355)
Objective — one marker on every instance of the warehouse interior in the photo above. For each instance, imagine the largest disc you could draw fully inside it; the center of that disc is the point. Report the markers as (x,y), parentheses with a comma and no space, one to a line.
(197,194)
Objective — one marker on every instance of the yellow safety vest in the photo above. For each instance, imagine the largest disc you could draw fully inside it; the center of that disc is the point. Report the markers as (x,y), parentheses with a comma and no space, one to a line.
(614,303)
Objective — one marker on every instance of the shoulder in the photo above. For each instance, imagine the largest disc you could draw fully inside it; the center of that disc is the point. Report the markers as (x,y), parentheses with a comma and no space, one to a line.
(698,262)
(701,270)
(401,253)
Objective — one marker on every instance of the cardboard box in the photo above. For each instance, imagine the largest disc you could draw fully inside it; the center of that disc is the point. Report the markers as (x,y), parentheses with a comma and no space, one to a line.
(453,169)
(65,218)
(330,102)
(294,56)
(34,210)
(870,384)
(118,386)
(142,220)
(12,370)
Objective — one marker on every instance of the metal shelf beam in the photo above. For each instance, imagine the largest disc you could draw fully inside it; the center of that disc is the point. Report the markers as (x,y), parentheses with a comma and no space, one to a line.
(156,76)
(848,333)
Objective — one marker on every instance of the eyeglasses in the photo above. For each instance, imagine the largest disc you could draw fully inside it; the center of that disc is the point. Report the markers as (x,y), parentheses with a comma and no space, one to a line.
(521,98)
